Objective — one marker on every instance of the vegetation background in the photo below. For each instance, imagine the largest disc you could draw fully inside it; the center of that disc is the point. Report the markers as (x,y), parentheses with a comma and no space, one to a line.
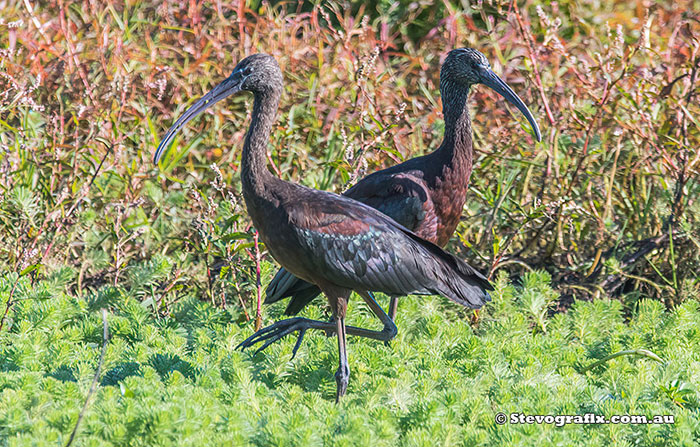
(592,236)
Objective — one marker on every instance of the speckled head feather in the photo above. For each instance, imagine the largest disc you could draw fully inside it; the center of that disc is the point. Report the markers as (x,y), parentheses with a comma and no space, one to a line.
(463,65)
(258,72)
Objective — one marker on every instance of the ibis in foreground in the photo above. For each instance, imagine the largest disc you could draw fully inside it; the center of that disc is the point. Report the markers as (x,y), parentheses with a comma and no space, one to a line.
(334,242)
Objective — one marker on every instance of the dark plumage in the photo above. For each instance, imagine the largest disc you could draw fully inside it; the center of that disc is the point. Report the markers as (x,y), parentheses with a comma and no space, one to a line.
(358,247)
(328,240)
(424,194)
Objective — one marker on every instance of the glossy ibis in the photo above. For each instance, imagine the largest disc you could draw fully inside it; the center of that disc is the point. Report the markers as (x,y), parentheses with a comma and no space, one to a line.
(334,242)
(424,194)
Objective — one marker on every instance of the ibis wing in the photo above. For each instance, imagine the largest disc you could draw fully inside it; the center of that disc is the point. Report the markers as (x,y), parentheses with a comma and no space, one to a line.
(358,247)
(365,256)
(401,196)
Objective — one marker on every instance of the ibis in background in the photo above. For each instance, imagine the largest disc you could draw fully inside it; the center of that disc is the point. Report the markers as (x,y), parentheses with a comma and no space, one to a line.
(425,194)
(334,242)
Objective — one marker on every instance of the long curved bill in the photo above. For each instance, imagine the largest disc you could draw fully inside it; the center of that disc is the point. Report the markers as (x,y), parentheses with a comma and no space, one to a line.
(227,87)
(492,80)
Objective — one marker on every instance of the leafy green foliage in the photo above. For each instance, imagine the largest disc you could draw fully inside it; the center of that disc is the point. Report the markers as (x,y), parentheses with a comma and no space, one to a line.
(178,380)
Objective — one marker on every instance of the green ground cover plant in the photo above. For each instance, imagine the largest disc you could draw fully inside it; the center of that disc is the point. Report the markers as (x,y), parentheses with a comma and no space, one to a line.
(177,380)
(592,236)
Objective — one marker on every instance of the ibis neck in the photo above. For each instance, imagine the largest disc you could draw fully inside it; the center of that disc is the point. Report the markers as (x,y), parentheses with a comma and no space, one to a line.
(457,143)
(255,176)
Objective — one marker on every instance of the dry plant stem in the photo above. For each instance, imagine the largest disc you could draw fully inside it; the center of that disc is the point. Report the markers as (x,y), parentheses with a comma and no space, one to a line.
(587,289)
(258,285)
(278,173)
(596,261)
(527,37)
(608,207)
(167,289)
(640,352)
(96,377)
(651,283)
(223,299)
(73,52)
(9,304)
(38,26)
(172,283)
(83,194)
(610,283)
(209,280)
(510,262)
(242,303)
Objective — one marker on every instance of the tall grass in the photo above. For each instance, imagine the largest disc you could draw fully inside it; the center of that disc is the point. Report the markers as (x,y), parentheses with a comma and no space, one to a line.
(607,203)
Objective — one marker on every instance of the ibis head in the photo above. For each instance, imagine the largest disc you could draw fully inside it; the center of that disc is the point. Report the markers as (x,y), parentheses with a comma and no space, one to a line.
(465,67)
(258,73)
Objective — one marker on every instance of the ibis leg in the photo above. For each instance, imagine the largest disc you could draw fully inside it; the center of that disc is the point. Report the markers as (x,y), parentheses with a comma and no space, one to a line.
(393,304)
(342,375)
(390,329)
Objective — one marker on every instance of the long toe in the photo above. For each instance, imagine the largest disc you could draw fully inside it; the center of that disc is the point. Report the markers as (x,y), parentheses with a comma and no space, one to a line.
(272,333)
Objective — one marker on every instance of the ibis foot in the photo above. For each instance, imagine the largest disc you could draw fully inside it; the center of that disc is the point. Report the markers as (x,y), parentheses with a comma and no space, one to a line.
(279,330)
(342,378)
